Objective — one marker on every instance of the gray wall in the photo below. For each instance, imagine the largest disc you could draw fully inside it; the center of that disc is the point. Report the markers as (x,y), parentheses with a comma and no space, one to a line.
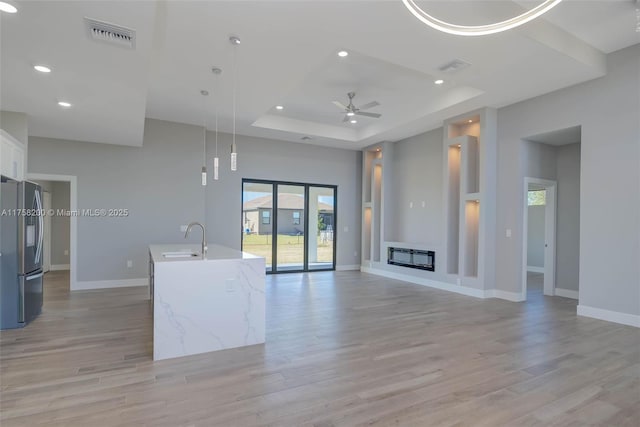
(260,158)
(568,217)
(607,109)
(535,236)
(417,176)
(15,124)
(539,160)
(160,185)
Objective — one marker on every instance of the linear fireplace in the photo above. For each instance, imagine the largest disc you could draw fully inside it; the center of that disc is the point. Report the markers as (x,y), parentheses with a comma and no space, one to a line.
(412,258)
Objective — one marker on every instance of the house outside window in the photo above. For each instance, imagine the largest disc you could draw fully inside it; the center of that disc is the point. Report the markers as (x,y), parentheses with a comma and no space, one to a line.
(296,218)
(266,217)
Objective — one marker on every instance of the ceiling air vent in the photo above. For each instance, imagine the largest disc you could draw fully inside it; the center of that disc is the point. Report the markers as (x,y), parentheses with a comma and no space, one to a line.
(454,66)
(111,33)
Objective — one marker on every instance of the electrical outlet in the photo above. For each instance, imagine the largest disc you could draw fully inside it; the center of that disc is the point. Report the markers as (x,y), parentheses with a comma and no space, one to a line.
(66,251)
(410,205)
(230,285)
(129,263)
(183,228)
(355,254)
(508,232)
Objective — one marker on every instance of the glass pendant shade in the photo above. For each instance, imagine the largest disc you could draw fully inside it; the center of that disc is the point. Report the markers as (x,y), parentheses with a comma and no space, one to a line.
(204,175)
(234,157)
(216,162)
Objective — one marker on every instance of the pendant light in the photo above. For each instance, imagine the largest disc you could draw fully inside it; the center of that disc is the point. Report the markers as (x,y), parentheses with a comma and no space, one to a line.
(235,41)
(216,161)
(479,30)
(204,94)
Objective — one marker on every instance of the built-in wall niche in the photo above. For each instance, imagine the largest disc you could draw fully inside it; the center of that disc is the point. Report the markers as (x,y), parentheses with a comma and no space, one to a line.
(465,126)
(372,205)
(377,209)
(471,230)
(453,206)
(366,234)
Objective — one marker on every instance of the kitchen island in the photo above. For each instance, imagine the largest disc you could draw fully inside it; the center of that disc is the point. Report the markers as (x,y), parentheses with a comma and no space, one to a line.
(205,303)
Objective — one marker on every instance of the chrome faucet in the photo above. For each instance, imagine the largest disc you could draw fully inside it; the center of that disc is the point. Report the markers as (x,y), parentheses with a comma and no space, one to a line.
(204,244)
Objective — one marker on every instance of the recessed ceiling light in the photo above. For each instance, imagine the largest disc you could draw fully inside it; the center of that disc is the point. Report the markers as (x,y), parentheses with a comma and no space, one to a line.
(343,53)
(42,68)
(354,121)
(470,121)
(64,104)
(439,81)
(351,114)
(279,107)
(377,149)
(6,7)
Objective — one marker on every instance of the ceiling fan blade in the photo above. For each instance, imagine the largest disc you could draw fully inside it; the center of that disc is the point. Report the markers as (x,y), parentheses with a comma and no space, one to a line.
(340,105)
(346,119)
(369,105)
(374,115)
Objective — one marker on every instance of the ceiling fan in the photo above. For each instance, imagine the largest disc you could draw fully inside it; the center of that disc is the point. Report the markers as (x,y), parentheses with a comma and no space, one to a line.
(351,110)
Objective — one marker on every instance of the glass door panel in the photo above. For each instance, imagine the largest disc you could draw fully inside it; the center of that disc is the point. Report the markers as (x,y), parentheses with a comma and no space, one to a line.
(290,228)
(257,220)
(321,227)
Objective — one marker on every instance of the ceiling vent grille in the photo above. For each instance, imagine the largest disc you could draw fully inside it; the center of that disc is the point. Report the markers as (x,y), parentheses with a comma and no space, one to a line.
(111,33)
(454,66)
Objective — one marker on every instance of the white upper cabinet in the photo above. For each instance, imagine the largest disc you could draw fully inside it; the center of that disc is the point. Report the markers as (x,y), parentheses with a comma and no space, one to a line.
(12,157)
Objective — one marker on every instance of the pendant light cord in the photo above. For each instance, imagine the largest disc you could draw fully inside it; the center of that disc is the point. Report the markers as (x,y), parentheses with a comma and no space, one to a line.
(235,70)
(217,86)
(204,131)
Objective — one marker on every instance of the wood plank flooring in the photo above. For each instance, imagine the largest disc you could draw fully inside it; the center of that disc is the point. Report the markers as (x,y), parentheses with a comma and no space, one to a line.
(343,349)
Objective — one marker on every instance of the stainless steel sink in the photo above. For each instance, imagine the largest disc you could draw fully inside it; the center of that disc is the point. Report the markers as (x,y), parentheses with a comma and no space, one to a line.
(181,254)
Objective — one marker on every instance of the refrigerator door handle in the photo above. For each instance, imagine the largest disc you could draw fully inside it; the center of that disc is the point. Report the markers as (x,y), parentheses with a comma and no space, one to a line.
(21,302)
(40,227)
(34,277)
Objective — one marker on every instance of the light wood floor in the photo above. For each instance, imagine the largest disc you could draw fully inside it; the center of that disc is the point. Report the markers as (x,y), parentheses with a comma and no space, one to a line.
(343,349)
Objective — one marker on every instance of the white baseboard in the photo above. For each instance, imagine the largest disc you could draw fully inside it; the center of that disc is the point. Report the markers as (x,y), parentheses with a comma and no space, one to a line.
(478,293)
(59,267)
(354,267)
(505,295)
(105,284)
(472,292)
(533,269)
(567,293)
(609,316)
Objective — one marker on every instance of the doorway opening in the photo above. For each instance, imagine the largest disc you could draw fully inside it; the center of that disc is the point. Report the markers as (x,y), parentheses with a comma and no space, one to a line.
(60,223)
(539,238)
(290,224)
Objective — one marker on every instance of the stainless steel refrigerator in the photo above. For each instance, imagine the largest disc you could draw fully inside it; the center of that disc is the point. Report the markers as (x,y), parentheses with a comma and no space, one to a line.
(21,246)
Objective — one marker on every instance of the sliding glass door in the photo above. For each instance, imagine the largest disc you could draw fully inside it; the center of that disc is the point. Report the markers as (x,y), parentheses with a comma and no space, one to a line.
(321,239)
(290,224)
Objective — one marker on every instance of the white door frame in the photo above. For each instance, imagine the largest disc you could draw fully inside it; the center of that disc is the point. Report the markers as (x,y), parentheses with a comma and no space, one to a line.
(73,220)
(549,235)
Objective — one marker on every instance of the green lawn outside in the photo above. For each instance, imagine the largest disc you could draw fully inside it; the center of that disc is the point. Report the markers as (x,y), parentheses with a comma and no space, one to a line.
(290,248)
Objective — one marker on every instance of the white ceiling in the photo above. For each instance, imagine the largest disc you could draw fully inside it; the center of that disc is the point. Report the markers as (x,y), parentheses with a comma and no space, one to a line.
(288,56)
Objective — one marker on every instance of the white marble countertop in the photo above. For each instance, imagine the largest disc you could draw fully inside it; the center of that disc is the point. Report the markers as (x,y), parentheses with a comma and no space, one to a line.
(214,253)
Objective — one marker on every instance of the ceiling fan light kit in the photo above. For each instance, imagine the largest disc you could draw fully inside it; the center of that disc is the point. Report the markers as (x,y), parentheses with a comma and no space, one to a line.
(479,30)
